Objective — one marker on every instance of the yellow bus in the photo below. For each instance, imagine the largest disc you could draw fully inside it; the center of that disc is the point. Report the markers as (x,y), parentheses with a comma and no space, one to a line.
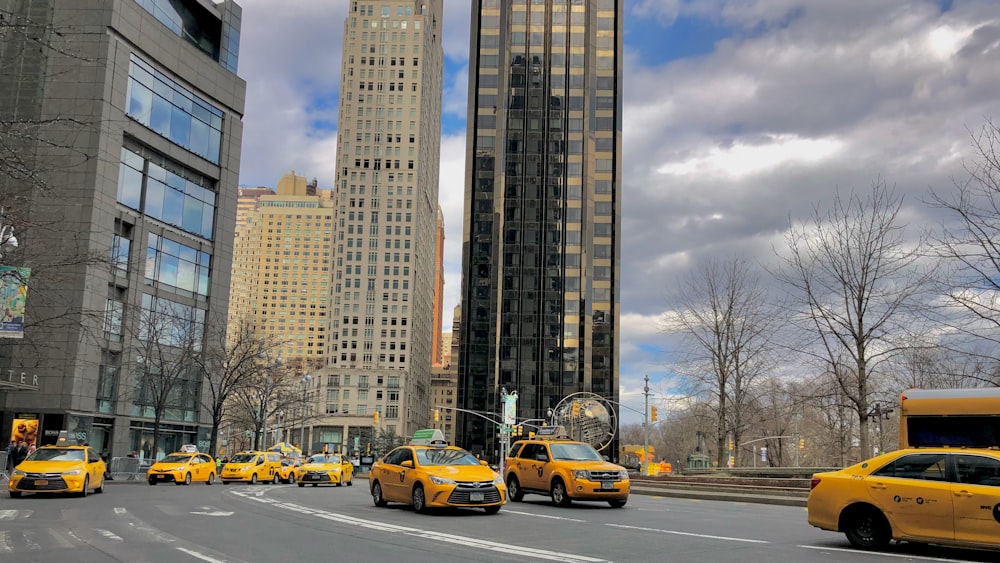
(950,417)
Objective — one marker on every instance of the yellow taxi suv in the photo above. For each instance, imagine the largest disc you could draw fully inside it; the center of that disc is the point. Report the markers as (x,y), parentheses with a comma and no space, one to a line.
(252,467)
(936,495)
(182,468)
(62,468)
(552,464)
(288,468)
(428,473)
(328,469)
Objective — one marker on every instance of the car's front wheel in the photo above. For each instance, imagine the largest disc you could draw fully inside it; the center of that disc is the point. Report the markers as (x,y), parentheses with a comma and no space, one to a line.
(419,498)
(187,479)
(15,494)
(291,478)
(211,479)
(559,495)
(86,486)
(866,528)
(100,489)
(253,479)
(514,489)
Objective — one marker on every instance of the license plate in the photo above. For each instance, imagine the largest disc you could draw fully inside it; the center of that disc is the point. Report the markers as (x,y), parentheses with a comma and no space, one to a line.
(161,476)
(312,477)
(607,485)
(476,497)
(41,482)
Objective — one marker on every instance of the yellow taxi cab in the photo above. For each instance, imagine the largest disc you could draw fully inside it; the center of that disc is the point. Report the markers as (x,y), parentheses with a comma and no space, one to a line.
(552,464)
(63,468)
(288,468)
(428,473)
(327,469)
(252,467)
(938,495)
(183,468)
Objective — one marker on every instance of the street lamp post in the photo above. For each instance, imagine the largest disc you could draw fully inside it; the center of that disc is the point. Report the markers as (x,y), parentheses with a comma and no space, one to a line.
(645,429)
(306,379)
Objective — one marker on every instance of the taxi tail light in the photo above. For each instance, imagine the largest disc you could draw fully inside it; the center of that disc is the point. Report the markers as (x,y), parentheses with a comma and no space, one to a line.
(812,484)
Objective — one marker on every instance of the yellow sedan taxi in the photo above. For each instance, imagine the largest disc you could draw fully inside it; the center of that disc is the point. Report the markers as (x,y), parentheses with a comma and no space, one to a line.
(62,468)
(252,467)
(182,468)
(288,468)
(428,473)
(326,469)
(928,495)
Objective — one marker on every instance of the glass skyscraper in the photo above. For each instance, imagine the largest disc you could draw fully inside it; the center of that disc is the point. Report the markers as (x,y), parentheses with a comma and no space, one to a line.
(541,256)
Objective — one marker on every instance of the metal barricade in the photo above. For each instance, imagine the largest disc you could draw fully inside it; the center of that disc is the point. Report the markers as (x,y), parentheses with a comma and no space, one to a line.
(5,470)
(125,469)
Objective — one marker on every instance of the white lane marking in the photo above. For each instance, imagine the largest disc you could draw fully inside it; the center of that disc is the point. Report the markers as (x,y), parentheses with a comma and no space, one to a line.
(108,534)
(151,532)
(5,546)
(543,516)
(474,543)
(74,536)
(13,514)
(883,554)
(59,537)
(676,533)
(201,556)
(214,513)
(29,540)
(120,510)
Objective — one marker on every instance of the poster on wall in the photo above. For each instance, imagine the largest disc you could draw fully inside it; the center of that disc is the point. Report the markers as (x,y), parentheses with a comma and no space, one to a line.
(13,295)
(25,429)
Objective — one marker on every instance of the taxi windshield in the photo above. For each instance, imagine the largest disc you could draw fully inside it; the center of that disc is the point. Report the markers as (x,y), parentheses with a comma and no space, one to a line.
(575,452)
(321,458)
(57,454)
(176,458)
(242,458)
(430,456)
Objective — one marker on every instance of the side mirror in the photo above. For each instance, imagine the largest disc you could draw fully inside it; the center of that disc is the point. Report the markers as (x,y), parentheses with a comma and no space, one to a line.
(484,462)
(407,463)
(260,462)
(606,458)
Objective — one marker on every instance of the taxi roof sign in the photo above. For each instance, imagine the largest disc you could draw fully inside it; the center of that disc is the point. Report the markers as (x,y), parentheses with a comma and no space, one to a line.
(552,433)
(65,439)
(189,449)
(428,437)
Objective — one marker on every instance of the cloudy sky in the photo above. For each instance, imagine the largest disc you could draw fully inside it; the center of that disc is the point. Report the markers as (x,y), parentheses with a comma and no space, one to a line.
(739,115)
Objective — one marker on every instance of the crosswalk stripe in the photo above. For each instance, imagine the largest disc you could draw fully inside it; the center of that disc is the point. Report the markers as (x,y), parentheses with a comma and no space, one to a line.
(13,514)
(30,538)
(108,534)
(59,536)
(5,546)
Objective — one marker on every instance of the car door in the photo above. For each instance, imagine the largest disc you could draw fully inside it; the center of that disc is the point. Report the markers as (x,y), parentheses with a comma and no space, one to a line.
(392,474)
(915,493)
(94,468)
(976,494)
(532,463)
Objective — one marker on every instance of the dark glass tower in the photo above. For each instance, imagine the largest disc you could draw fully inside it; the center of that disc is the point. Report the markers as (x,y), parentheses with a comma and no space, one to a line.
(540,256)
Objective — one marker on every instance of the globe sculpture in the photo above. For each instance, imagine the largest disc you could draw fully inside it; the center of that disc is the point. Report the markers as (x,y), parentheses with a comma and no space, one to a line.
(587,417)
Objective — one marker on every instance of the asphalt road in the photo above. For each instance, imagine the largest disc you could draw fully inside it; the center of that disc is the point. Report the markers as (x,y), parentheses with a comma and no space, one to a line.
(278,523)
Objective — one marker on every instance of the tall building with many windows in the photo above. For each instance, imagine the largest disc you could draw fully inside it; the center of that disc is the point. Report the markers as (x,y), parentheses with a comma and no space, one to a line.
(540,252)
(125,197)
(385,197)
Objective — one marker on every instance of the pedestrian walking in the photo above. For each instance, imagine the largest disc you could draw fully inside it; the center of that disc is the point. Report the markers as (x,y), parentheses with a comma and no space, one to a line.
(17,456)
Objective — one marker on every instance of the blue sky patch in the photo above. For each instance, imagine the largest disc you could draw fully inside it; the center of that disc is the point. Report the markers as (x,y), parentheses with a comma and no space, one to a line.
(687,37)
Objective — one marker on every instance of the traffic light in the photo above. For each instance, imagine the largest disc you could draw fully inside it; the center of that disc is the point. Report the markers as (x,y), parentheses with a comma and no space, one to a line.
(802,443)
(731,445)
(375,419)
(652,414)
(437,415)
(368,449)
(576,409)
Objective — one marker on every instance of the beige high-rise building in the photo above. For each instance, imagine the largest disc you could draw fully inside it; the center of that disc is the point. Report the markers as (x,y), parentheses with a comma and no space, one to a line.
(385,197)
(281,270)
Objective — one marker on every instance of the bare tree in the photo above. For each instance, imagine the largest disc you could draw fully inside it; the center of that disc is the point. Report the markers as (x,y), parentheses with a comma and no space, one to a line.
(231,365)
(723,314)
(168,364)
(970,245)
(853,278)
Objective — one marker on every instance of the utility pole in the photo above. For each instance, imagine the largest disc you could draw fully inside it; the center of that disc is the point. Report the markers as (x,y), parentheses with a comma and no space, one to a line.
(645,429)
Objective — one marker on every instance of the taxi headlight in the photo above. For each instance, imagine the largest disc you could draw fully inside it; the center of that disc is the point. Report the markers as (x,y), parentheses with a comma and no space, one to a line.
(17,473)
(623,474)
(245,468)
(581,474)
(498,480)
(181,468)
(73,472)
(441,480)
